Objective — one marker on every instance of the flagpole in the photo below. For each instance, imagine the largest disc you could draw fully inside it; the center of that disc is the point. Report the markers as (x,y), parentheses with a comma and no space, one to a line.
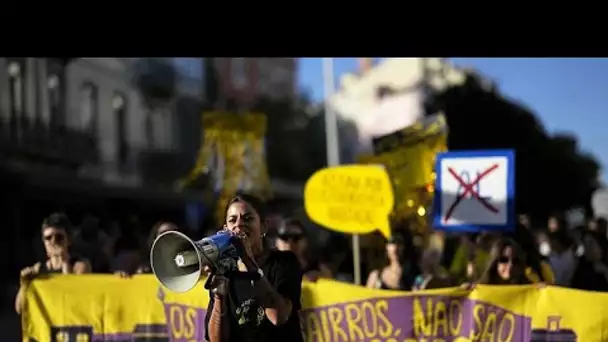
(333,151)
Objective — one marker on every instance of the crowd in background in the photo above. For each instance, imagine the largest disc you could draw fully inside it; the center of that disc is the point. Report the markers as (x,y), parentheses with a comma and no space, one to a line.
(554,254)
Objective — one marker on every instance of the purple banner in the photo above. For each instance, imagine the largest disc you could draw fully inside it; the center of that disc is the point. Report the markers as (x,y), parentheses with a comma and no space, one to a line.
(415,318)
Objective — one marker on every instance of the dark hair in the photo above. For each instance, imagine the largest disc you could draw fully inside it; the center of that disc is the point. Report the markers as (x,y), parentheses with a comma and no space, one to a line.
(154,232)
(561,220)
(407,256)
(253,201)
(490,275)
(526,241)
(57,220)
(601,241)
(286,223)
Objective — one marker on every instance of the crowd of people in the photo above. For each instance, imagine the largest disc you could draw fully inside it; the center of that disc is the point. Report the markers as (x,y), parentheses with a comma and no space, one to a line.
(556,254)
(575,257)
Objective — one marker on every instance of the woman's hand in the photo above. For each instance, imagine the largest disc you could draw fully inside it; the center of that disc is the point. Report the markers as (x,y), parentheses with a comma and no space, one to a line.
(122,274)
(540,285)
(30,272)
(218,285)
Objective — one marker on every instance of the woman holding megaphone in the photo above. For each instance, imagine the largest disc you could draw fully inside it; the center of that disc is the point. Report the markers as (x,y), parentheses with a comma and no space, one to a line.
(262,307)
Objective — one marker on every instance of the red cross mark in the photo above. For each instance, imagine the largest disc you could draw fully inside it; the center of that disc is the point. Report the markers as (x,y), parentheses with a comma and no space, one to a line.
(470,189)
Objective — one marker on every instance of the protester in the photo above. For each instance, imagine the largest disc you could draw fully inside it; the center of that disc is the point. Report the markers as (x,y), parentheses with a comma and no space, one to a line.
(433,275)
(55,230)
(538,270)
(555,223)
(562,257)
(127,252)
(263,303)
(524,220)
(507,265)
(291,236)
(592,271)
(337,256)
(401,266)
(89,240)
(471,258)
(138,260)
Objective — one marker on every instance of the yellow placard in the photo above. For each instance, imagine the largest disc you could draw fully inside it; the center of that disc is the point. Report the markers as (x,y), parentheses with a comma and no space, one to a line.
(354,199)
(108,308)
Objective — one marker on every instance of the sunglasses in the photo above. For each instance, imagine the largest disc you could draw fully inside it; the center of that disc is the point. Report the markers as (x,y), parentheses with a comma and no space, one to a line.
(56,237)
(506,260)
(290,237)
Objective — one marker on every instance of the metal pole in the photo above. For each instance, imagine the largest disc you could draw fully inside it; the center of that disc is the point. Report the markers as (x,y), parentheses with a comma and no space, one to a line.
(332,142)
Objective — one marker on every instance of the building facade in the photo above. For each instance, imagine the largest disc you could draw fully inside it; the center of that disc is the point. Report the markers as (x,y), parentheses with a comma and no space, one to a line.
(243,80)
(98,98)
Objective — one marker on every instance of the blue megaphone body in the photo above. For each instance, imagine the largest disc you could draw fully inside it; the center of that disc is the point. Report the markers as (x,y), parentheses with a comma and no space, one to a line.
(177,261)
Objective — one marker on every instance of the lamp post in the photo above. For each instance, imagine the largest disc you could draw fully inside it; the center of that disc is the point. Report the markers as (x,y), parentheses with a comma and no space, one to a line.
(332,144)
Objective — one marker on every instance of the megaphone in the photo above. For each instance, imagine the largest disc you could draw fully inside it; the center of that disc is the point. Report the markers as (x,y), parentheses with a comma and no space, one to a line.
(177,261)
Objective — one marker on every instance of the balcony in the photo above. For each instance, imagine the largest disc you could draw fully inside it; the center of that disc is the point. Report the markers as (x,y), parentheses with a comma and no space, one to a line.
(163,167)
(34,142)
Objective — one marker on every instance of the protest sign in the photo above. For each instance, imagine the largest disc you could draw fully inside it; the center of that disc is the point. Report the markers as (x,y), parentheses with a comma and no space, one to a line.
(354,199)
(108,308)
(475,190)
(409,157)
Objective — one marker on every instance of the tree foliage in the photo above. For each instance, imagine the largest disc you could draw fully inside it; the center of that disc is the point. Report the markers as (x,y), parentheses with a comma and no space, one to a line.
(295,144)
(551,173)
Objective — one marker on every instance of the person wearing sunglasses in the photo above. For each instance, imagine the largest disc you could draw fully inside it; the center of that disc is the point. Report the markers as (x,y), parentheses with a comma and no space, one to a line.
(507,265)
(291,236)
(54,231)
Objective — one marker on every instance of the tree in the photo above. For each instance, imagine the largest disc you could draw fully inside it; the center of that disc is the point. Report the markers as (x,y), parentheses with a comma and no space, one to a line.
(295,138)
(551,173)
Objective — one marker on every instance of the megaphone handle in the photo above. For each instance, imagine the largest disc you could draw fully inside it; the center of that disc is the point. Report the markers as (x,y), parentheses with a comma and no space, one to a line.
(208,282)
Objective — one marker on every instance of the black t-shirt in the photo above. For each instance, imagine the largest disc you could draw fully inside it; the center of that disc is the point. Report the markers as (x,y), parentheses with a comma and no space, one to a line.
(246,320)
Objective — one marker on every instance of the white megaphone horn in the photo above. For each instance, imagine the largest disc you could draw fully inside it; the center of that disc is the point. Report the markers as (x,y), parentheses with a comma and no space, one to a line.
(177,261)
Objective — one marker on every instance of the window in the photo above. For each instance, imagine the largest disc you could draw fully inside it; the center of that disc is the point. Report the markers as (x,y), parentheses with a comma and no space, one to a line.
(54,90)
(238,73)
(89,107)
(16,88)
(188,66)
(119,106)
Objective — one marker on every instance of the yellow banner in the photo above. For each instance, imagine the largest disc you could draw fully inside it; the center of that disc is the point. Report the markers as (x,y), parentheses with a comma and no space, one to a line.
(409,156)
(107,308)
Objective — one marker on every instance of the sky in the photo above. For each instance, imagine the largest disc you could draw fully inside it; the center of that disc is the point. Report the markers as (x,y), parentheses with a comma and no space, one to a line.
(567,94)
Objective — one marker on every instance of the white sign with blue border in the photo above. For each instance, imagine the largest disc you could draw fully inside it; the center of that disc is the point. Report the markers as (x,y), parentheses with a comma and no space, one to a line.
(474,191)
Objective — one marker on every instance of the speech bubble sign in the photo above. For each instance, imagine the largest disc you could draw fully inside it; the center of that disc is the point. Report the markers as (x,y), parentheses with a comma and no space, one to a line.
(354,199)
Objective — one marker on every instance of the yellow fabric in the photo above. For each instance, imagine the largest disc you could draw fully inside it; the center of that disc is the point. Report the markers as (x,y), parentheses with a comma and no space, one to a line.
(105,307)
(547,272)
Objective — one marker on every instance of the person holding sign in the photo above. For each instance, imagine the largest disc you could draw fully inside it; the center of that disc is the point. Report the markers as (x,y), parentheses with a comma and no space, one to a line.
(58,260)
(265,308)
